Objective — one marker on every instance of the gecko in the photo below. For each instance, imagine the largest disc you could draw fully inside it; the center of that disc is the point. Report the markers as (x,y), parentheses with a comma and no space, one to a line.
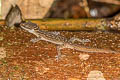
(60,41)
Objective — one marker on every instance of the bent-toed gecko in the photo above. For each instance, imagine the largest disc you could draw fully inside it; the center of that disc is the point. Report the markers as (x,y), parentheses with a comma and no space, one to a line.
(60,41)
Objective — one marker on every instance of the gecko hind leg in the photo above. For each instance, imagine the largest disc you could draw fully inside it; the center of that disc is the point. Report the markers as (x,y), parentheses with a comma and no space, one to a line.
(35,40)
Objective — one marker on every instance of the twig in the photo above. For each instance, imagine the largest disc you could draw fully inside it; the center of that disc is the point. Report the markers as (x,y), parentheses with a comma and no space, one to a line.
(116,2)
(81,24)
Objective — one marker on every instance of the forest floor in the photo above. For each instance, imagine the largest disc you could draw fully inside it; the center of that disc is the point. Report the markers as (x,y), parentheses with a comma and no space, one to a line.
(21,59)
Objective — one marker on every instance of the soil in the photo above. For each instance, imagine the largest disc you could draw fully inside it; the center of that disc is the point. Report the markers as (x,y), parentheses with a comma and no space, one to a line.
(25,60)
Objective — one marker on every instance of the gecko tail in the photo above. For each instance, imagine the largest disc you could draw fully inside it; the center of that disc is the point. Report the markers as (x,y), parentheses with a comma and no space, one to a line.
(94,50)
(88,49)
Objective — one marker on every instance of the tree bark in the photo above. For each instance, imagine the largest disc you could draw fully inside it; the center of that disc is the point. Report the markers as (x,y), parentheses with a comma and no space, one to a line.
(71,24)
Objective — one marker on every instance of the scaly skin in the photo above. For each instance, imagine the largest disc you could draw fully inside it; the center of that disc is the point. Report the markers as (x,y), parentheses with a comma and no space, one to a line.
(60,41)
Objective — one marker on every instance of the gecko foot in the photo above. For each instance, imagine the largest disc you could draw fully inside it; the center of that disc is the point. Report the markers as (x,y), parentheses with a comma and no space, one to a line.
(59,57)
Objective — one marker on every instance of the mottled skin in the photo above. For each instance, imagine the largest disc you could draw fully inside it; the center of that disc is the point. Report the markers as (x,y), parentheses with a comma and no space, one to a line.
(60,41)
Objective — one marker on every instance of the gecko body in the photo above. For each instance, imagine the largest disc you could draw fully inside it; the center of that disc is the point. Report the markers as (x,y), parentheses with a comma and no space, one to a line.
(60,41)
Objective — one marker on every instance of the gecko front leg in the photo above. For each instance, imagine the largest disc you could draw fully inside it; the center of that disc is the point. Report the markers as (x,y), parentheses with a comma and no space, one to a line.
(59,47)
(35,40)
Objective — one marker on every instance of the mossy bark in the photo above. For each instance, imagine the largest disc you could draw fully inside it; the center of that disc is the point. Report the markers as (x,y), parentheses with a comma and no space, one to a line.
(71,24)
(77,24)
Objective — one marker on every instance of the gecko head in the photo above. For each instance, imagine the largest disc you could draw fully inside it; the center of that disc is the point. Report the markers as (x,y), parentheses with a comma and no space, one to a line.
(29,26)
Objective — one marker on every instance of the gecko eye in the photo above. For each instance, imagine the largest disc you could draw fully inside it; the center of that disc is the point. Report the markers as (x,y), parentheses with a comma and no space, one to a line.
(35,27)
